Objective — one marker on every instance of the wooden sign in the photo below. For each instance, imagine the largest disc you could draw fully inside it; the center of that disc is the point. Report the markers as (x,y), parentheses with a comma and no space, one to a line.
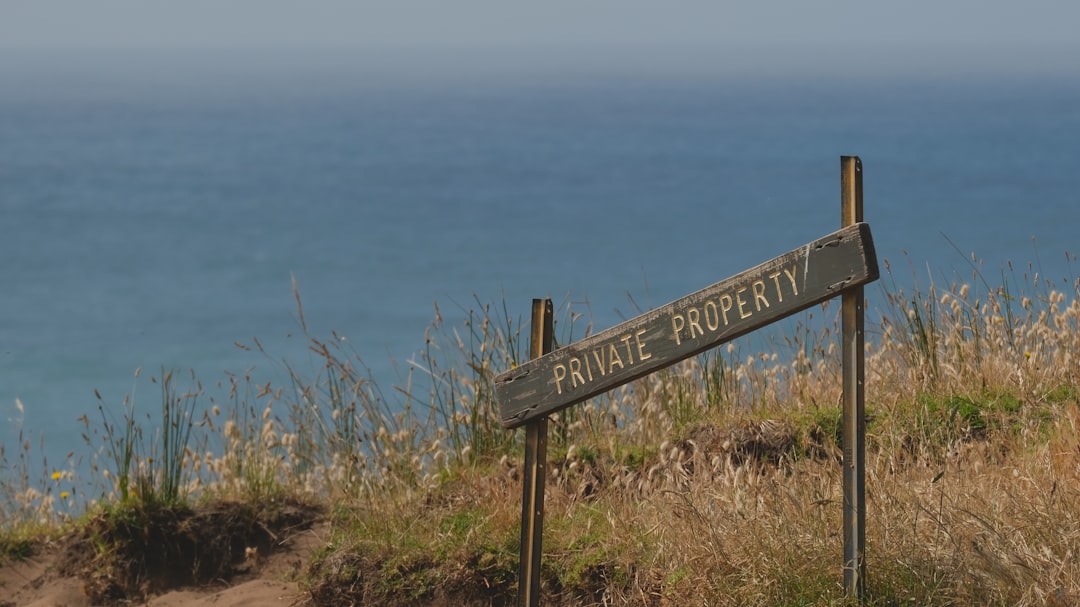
(662,337)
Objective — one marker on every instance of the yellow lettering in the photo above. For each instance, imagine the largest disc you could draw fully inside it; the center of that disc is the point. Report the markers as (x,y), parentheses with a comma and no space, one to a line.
(759,294)
(588,367)
(598,356)
(725,307)
(677,323)
(575,372)
(714,322)
(739,300)
(613,359)
(641,353)
(775,276)
(626,344)
(559,376)
(791,277)
(692,317)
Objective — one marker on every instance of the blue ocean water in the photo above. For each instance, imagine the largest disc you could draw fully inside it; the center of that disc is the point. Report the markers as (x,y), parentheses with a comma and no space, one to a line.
(152,222)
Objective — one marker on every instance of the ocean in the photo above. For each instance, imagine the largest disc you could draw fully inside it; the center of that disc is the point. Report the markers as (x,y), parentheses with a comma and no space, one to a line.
(152,219)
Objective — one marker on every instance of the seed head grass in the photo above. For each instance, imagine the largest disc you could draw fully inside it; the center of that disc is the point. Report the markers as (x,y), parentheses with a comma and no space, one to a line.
(716,481)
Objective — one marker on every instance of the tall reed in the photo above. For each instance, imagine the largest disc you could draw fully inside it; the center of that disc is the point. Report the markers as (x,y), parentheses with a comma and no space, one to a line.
(149,464)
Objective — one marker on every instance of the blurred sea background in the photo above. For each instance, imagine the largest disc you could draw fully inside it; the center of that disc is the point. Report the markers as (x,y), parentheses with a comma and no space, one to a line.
(156,209)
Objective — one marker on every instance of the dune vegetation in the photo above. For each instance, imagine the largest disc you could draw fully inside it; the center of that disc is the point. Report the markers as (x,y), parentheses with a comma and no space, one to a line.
(713,482)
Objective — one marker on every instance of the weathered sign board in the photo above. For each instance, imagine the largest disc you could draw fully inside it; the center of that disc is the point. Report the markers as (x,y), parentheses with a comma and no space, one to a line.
(710,317)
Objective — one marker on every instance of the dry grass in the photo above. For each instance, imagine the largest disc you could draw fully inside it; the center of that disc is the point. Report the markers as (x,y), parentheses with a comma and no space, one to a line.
(714,482)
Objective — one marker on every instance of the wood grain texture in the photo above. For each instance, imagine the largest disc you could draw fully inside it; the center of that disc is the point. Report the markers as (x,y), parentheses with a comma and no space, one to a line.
(688,326)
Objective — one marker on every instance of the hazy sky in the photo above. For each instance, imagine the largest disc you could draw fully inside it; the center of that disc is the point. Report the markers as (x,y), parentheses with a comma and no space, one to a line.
(1036,34)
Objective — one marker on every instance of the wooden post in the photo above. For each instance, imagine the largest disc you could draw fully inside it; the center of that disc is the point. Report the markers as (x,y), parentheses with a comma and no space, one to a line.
(854,372)
(532,502)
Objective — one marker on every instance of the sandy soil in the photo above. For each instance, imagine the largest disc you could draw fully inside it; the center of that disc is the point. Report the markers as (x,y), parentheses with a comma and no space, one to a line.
(265,581)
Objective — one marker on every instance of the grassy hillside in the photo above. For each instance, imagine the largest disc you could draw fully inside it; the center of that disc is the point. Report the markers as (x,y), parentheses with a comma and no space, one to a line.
(714,482)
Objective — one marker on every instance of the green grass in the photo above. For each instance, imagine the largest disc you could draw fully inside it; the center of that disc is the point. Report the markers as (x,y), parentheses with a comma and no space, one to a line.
(716,481)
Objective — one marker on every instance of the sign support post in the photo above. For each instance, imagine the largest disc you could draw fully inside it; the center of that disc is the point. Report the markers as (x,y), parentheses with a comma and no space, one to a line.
(854,377)
(532,503)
